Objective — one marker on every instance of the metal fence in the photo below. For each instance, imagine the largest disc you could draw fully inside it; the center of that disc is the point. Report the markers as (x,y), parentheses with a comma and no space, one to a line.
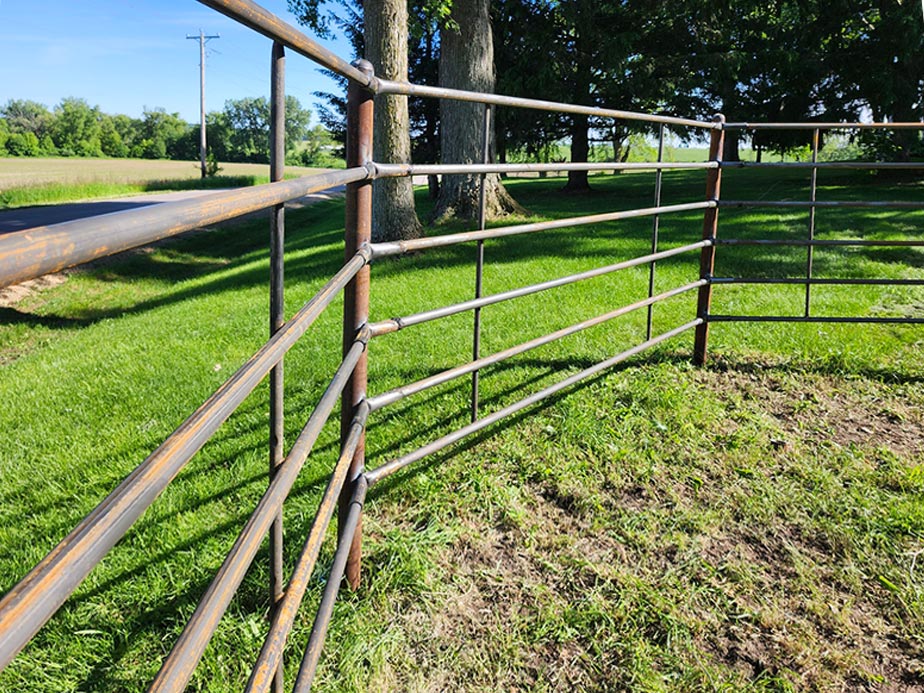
(28,254)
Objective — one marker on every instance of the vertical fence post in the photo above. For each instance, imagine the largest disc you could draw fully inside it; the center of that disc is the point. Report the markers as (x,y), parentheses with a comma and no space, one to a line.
(277,313)
(810,257)
(710,227)
(358,232)
(655,225)
(479,258)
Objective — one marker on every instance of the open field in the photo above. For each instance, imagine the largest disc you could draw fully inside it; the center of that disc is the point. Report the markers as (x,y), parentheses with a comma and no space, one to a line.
(28,181)
(755,525)
(16,172)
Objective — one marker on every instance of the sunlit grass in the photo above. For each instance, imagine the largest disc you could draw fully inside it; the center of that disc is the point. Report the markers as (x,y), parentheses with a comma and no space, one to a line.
(602,543)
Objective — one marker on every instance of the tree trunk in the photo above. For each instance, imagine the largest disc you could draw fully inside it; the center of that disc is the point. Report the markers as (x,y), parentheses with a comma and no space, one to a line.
(580,147)
(385,36)
(467,62)
(730,150)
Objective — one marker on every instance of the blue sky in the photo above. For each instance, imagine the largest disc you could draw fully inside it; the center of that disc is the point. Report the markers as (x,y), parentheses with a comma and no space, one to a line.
(124,56)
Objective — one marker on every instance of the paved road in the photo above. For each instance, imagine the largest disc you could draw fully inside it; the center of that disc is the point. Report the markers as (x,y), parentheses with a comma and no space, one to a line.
(29,217)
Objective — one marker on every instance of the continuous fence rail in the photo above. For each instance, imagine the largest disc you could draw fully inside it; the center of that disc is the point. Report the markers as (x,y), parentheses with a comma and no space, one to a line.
(27,254)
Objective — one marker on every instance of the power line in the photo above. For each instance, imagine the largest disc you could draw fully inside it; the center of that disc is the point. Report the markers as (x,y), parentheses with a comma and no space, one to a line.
(203,39)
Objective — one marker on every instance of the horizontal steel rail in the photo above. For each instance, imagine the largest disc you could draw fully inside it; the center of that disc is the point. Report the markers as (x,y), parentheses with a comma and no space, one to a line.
(29,605)
(403,170)
(394,324)
(261,678)
(860,242)
(401,247)
(824,126)
(322,620)
(816,280)
(34,252)
(400,463)
(819,319)
(805,204)
(264,22)
(860,165)
(408,89)
(178,668)
(392,396)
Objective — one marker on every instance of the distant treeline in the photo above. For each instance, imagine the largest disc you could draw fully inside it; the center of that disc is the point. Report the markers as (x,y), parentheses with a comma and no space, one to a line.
(239,132)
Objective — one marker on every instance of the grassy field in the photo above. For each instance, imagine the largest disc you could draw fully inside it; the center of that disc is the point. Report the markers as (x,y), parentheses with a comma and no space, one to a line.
(755,525)
(30,181)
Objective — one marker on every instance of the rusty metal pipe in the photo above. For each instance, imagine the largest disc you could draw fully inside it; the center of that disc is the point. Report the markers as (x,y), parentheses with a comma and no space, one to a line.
(862,204)
(812,319)
(816,242)
(264,22)
(395,324)
(710,232)
(814,280)
(858,165)
(321,622)
(277,316)
(824,126)
(270,658)
(407,89)
(400,463)
(35,599)
(38,251)
(403,170)
(400,247)
(178,668)
(398,394)
(357,234)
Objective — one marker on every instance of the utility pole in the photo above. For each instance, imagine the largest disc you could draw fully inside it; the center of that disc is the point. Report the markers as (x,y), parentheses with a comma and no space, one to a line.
(203,39)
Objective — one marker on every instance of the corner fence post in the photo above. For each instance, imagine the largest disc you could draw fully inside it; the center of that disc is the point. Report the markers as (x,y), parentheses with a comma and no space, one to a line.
(358,232)
(710,228)
(277,313)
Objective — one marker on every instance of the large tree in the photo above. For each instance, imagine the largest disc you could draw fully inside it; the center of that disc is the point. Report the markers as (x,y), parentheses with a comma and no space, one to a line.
(385,36)
(467,63)
(379,33)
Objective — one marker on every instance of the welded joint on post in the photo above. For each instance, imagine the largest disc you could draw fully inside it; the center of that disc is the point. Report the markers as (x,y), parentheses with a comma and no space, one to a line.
(372,168)
(377,329)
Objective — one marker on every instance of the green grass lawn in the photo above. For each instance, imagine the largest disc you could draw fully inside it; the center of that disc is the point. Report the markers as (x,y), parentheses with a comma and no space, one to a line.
(754,525)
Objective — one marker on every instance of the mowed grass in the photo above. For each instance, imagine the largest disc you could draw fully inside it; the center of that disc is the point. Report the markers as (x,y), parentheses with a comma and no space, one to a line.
(28,181)
(754,525)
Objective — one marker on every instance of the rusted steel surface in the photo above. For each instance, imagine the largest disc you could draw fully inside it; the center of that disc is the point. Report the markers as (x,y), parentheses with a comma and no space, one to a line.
(264,22)
(479,254)
(862,165)
(38,251)
(351,525)
(813,196)
(178,668)
(710,231)
(357,234)
(818,242)
(655,226)
(277,314)
(407,89)
(400,463)
(817,280)
(399,170)
(399,247)
(270,657)
(814,318)
(823,126)
(395,324)
(36,598)
(400,393)
(852,204)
